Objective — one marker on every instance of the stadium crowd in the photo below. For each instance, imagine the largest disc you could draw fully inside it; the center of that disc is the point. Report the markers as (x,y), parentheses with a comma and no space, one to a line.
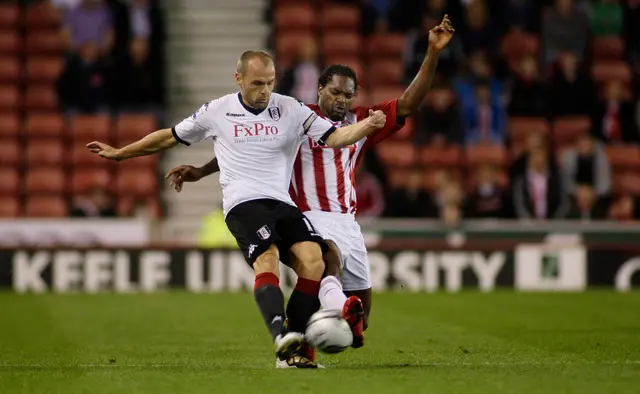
(533,113)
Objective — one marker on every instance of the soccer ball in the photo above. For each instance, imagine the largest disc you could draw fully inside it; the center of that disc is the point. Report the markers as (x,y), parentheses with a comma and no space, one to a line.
(329,332)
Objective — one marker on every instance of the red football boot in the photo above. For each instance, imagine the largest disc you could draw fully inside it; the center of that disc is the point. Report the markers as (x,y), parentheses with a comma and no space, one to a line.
(353,313)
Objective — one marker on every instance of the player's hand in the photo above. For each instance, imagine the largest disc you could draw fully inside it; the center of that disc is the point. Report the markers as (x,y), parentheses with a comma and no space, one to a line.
(182,174)
(377,119)
(104,150)
(440,35)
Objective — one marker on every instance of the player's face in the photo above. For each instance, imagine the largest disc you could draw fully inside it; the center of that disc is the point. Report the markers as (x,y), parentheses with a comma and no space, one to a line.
(335,99)
(257,83)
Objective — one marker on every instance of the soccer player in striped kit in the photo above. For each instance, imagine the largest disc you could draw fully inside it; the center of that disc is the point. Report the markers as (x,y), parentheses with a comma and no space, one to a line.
(323,182)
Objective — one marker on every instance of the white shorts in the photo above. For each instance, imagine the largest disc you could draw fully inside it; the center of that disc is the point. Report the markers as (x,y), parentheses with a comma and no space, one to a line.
(345,232)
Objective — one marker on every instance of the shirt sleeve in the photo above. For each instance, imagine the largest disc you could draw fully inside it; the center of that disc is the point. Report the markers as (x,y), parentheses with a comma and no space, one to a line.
(313,125)
(391,126)
(196,127)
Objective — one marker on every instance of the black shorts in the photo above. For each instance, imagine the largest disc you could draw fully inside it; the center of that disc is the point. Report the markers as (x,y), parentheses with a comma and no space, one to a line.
(258,224)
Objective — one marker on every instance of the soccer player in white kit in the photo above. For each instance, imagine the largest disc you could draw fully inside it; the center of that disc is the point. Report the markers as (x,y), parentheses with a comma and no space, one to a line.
(323,185)
(256,135)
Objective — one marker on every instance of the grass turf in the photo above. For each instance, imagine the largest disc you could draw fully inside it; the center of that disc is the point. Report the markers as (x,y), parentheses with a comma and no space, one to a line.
(417,343)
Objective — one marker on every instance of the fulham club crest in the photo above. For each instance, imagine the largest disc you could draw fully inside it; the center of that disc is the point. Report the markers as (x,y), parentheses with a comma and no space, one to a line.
(264,233)
(274,112)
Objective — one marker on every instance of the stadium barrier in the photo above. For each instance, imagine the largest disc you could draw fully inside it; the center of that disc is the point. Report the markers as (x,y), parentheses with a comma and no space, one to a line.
(525,267)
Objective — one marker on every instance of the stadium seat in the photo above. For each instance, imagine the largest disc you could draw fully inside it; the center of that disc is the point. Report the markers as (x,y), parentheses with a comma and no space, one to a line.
(10,151)
(335,43)
(46,207)
(9,207)
(10,70)
(295,17)
(606,70)
(41,98)
(46,42)
(79,156)
(288,44)
(627,183)
(397,177)
(607,48)
(83,179)
(436,156)
(127,205)
(90,128)
(140,183)
(486,153)
(386,45)
(44,125)
(339,17)
(386,72)
(362,98)
(10,42)
(351,61)
(9,125)
(472,179)
(623,156)
(130,128)
(45,180)
(44,69)
(432,177)
(566,130)
(9,16)
(42,15)
(9,98)
(9,181)
(397,153)
(146,162)
(519,128)
(517,44)
(378,95)
(43,152)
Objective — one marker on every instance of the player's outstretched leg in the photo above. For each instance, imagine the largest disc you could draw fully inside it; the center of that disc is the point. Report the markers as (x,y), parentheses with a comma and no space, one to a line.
(270,300)
(304,299)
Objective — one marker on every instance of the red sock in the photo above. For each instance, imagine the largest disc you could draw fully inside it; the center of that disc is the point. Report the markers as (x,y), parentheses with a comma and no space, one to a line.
(264,279)
(308,286)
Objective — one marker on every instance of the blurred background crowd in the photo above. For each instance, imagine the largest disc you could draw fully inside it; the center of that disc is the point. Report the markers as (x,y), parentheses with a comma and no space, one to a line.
(533,112)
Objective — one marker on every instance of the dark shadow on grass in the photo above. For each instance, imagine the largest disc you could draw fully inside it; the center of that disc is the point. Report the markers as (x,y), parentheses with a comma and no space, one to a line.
(390,366)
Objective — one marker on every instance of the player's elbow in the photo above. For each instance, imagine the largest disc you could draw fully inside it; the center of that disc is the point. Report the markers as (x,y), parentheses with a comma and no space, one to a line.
(336,141)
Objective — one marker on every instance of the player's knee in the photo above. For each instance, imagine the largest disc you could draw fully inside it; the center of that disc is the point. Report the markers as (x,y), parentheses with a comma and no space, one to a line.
(267,261)
(332,260)
(311,265)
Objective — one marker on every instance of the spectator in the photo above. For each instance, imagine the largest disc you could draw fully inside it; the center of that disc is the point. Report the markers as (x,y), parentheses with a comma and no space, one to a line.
(89,23)
(606,18)
(570,90)
(300,80)
(539,193)
(527,93)
(410,199)
(564,28)
(479,68)
(439,121)
(96,204)
(522,15)
(139,19)
(374,15)
(447,202)
(586,205)
(613,119)
(487,121)
(478,33)
(370,195)
(519,166)
(587,164)
(624,208)
(487,197)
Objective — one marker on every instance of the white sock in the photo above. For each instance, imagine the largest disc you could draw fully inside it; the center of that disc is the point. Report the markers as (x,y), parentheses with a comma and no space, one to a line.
(331,295)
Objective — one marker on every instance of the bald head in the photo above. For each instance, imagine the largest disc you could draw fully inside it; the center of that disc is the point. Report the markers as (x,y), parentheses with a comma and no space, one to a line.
(243,63)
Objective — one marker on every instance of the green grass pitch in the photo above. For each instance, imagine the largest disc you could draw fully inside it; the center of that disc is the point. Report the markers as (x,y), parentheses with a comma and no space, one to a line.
(467,342)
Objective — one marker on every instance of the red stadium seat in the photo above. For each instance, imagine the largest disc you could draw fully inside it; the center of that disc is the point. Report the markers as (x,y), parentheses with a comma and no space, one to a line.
(43,152)
(351,61)
(44,181)
(9,98)
(10,70)
(397,153)
(490,154)
(46,42)
(130,128)
(79,156)
(9,16)
(623,156)
(127,205)
(83,179)
(288,45)
(362,98)
(147,162)
(386,72)
(87,128)
(44,125)
(607,48)
(519,128)
(41,98)
(10,152)
(433,177)
(340,17)
(9,207)
(566,130)
(627,183)
(46,207)
(295,17)
(340,44)
(9,181)
(386,45)
(517,44)
(379,95)
(42,15)
(436,156)
(606,70)
(9,125)
(44,69)
(139,183)
(10,42)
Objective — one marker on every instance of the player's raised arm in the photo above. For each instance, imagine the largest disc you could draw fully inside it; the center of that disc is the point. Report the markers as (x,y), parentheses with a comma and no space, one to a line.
(411,99)
(187,173)
(347,135)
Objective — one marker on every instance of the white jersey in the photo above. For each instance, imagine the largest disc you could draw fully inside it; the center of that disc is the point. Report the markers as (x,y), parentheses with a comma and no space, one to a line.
(255,148)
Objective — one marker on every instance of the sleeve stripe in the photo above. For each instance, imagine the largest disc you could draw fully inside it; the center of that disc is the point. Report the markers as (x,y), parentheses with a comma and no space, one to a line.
(326,135)
(180,140)
(306,125)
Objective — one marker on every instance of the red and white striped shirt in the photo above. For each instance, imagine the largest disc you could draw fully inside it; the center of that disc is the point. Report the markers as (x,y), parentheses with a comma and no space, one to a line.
(324,178)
